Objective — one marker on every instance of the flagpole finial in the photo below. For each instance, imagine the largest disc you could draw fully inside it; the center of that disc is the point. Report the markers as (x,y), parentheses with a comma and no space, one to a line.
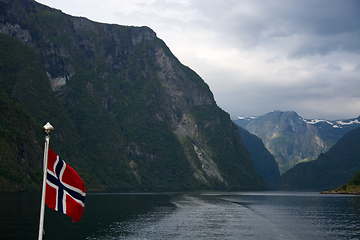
(48,128)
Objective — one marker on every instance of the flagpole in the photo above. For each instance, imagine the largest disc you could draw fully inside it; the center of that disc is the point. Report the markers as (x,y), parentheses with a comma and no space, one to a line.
(47,130)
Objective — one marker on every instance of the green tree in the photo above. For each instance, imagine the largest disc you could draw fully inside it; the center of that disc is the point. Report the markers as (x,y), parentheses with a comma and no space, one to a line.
(355,180)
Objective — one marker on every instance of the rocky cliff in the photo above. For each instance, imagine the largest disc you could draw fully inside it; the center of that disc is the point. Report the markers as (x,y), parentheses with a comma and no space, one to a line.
(127,114)
(293,139)
(330,170)
(289,139)
(264,162)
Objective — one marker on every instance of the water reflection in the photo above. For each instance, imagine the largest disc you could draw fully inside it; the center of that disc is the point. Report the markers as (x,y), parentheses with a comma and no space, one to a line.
(189,215)
(269,215)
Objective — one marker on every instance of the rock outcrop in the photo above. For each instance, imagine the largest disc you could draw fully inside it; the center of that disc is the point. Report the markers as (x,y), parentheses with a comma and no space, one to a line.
(126,112)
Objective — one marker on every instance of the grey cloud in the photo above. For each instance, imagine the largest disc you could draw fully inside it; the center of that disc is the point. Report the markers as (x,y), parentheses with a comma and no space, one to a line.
(321,26)
(315,45)
(308,101)
(301,29)
(324,17)
(333,67)
(357,67)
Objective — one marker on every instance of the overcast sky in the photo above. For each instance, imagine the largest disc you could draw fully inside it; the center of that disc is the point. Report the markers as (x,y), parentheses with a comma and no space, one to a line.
(257,56)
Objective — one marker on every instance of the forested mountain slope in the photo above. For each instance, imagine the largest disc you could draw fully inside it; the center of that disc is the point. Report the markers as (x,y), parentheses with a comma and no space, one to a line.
(127,114)
(264,162)
(329,170)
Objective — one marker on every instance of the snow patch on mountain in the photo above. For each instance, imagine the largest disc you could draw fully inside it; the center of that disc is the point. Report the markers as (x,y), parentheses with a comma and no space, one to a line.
(348,123)
(334,124)
(245,118)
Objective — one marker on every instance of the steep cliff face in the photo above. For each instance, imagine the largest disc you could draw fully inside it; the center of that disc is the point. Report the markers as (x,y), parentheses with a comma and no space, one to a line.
(289,139)
(294,139)
(331,169)
(126,112)
(264,162)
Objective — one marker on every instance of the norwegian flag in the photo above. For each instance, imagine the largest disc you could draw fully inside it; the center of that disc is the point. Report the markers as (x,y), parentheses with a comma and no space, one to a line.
(65,191)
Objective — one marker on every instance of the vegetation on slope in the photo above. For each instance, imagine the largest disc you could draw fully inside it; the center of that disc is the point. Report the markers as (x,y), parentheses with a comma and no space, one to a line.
(19,148)
(264,163)
(289,139)
(329,170)
(353,186)
(116,97)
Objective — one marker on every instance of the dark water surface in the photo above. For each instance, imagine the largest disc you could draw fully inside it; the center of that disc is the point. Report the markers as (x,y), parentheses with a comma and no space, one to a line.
(188,215)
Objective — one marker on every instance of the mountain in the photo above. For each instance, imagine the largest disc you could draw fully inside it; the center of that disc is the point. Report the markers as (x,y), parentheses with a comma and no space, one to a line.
(289,139)
(334,130)
(329,170)
(20,151)
(331,129)
(292,139)
(264,162)
(126,113)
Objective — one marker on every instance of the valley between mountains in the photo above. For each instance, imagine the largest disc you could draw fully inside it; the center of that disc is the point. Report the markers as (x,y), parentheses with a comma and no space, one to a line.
(305,145)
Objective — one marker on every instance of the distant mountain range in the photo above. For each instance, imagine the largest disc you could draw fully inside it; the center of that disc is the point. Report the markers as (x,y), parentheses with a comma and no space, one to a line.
(336,129)
(330,170)
(293,139)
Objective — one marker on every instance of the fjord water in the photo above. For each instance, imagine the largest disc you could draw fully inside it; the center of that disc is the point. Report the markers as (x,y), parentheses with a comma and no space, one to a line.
(188,215)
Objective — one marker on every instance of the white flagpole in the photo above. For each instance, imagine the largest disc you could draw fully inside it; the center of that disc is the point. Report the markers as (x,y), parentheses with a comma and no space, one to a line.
(47,129)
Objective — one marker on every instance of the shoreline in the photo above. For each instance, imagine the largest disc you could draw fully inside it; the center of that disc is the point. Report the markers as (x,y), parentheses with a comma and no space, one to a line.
(340,192)
(353,190)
